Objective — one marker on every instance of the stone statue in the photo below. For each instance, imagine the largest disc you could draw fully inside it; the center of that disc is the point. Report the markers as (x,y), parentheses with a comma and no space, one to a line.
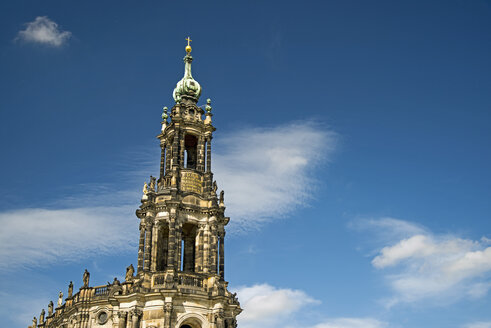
(60,299)
(34,322)
(86,278)
(115,282)
(70,289)
(115,288)
(152,183)
(129,273)
(50,308)
(41,316)
(222,195)
(145,188)
(215,187)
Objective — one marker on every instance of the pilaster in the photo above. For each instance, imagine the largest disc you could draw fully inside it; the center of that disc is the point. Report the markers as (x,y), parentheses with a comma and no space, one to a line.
(148,245)
(141,248)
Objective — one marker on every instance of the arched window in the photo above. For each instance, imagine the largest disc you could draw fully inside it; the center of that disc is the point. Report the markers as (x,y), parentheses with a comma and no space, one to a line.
(188,247)
(191,151)
(162,247)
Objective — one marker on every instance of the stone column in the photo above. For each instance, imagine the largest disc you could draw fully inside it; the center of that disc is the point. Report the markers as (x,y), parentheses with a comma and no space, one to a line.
(167,314)
(201,154)
(135,318)
(181,153)
(222,256)
(168,156)
(163,258)
(213,249)
(179,244)
(162,161)
(148,246)
(155,236)
(206,248)
(171,255)
(219,319)
(208,155)
(198,266)
(122,319)
(175,149)
(141,248)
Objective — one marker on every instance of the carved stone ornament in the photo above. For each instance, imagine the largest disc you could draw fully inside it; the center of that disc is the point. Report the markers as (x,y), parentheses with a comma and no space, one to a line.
(102,317)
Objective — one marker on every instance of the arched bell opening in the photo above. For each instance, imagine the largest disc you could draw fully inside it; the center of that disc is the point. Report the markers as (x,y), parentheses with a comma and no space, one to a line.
(188,247)
(190,151)
(162,247)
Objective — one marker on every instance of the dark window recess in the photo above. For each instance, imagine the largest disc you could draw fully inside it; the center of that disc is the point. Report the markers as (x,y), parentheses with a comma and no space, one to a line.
(191,149)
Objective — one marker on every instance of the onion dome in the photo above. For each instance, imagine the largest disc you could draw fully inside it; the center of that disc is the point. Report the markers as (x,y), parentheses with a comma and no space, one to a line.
(187,86)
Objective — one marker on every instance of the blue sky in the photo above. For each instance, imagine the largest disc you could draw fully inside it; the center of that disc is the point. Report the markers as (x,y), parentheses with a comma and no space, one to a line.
(358,130)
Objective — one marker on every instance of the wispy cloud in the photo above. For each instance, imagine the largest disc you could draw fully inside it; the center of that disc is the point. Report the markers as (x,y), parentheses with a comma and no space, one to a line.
(44,31)
(479,324)
(33,237)
(352,323)
(265,305)
(423,265)
(265,173)
(268,172)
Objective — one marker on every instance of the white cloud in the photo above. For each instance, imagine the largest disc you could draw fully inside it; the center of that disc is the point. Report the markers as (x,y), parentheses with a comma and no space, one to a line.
(43,30)
(389,229)
(352,323)
(33,237)
(265,305)
(263,171)
(480,324)
(266,173)
(431,266)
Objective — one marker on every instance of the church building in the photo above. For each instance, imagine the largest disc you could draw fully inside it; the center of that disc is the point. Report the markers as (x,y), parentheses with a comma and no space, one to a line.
(179,281)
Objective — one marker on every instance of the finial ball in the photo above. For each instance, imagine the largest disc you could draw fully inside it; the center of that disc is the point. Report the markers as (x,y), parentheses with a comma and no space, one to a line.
(188,47)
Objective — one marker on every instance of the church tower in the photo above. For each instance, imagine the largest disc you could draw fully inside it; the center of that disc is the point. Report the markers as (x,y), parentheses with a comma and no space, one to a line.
(182,222)
(179,280)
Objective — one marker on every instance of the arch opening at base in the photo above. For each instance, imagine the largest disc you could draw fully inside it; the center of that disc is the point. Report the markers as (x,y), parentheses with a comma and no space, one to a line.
(192,321)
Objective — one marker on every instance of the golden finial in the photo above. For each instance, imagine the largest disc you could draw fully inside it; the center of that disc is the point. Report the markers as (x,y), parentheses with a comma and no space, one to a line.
(188,47)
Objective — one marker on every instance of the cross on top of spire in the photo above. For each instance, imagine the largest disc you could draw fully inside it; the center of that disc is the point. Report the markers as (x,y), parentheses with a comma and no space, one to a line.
(188,47)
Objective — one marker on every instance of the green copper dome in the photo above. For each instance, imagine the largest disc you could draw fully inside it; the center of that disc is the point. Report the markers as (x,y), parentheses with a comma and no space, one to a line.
(187,86)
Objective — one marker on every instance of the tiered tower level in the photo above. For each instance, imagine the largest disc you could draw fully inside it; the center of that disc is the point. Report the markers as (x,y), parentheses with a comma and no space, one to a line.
(179,280)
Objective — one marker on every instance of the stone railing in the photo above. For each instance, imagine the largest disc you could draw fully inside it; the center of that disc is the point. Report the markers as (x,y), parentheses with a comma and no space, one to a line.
(158,280)
(190,280)
(183,279)
(101,291)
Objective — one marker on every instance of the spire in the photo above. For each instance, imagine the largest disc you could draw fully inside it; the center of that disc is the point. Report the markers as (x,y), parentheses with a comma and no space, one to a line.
(187,87)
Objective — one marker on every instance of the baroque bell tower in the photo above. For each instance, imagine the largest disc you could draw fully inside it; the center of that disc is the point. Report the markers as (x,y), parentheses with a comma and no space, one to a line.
(182,222)
(180,280)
